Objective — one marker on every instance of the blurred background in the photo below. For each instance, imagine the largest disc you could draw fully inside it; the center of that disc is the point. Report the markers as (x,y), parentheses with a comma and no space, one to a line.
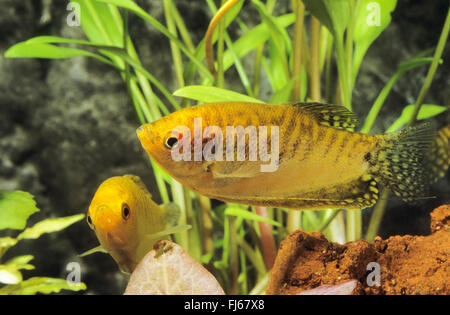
(67,125)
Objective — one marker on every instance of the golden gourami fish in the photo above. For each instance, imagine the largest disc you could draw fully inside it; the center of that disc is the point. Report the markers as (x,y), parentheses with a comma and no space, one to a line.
(127,222)
(315,162)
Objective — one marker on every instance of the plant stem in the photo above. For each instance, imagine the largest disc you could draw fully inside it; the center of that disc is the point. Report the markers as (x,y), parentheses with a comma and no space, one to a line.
(206,221)
(329,219)
(299,10)
(234,263)
(260,287)
(294,217)
(259,56)
(343,76)
(294,220)
(182,28)
(354,225)
(182,238)
(257,70)
(329,70)
(210,32)
(432,70)
(176,54)
(220,51)
(377,216)
(373,113)
(315,60)
(243,264)
(269,250)
(349,45)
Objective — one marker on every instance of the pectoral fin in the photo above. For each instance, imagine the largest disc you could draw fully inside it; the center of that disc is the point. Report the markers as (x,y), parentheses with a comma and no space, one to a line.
(94,250)
(172,213)
(168,231)
(235,169)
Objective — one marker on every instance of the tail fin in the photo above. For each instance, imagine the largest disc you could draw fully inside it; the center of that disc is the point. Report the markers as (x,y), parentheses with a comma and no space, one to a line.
(402,161)
(440,154)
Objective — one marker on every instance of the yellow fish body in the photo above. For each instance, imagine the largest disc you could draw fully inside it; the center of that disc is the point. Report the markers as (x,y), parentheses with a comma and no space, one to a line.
(126,221)
(320,164)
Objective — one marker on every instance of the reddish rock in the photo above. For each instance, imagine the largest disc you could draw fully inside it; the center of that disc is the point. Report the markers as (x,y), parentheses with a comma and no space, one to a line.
(408,264)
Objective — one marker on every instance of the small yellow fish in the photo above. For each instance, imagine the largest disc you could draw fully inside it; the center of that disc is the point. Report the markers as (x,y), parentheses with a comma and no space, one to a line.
(127,222)
(316,161)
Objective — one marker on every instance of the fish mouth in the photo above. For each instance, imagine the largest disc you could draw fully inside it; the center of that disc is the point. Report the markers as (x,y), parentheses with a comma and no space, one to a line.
(144,134)
(115,239)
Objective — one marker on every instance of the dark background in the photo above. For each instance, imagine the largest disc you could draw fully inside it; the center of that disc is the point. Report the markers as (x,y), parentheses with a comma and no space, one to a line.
(67,125)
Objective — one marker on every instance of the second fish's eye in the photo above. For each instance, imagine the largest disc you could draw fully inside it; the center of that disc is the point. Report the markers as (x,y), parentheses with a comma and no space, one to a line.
(125,211)
(89,220)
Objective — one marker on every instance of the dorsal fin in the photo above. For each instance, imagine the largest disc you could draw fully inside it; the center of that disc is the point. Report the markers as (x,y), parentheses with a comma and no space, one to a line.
(331,115)
(138,181)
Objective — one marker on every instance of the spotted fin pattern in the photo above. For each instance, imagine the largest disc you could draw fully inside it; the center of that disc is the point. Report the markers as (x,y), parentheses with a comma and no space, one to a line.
(364,193)
(401,162)
(331,115)
(440,154)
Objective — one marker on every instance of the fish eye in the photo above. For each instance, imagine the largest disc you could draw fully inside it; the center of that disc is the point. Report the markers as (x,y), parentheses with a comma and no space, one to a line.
(125,211)
(172,140)
(89,221)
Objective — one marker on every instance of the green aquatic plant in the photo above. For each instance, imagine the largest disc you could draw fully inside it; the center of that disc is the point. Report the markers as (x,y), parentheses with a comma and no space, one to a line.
(238,242)
(15,209)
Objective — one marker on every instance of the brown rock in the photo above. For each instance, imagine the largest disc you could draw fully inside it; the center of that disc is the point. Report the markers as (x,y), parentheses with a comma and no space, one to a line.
(407,264)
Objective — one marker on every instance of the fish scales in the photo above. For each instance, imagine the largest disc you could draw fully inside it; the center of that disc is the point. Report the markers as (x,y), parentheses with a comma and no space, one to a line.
(323,162)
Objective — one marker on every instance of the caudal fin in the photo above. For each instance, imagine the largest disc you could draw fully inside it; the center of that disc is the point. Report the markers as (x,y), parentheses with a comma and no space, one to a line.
(440,154)
(402,162)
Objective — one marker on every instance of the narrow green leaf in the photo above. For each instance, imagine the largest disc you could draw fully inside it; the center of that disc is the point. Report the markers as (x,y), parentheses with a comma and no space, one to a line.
(415,62)
(254,38)
(7,242)
(101,23)
(47,51)
(209,94)
(281,43)
(135,64)
(10,271)
(374,16)
(249,215)
(15,208)
(334,14)
(41,285)
(9,275)
(278,74)
(97,249)
(49,226)
(426,111)
(133,7)
(283,95)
